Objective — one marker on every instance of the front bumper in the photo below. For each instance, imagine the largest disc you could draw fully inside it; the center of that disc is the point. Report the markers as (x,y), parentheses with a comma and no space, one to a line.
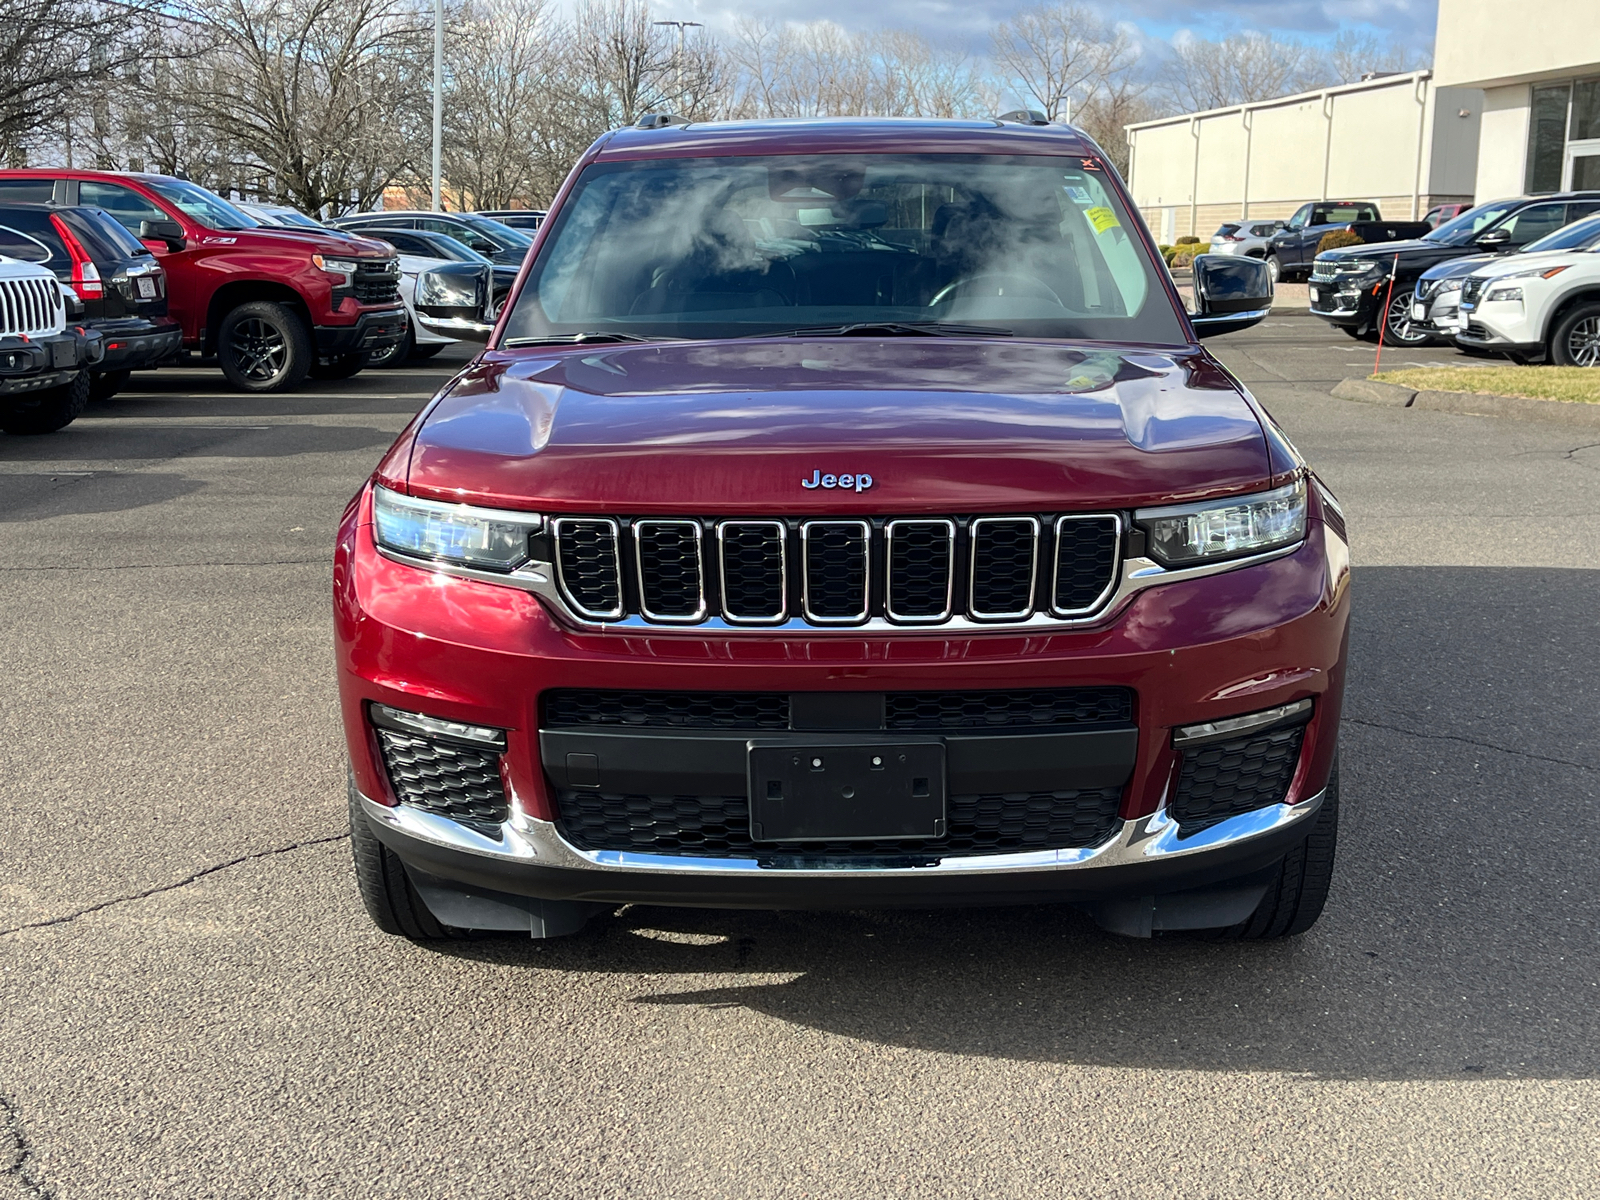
(374,329)
(1502,325)
(29,364)
(132,343)
(1192,651)
(1339,304)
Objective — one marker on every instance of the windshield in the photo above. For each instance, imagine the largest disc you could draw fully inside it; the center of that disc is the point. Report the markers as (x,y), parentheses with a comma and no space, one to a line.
(708,248)
(297,218)
(1580,235)
(442,245)
(206,207)
(1469,224)
(503,234)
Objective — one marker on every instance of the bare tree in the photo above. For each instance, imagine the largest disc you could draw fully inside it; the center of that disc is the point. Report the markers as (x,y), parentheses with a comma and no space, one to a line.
(1355,54)
(1058,53)
(1204,74)
(621,64)
(325,97)
(53,50)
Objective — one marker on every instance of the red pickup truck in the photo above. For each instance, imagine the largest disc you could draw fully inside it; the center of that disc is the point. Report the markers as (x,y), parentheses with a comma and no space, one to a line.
(272,304)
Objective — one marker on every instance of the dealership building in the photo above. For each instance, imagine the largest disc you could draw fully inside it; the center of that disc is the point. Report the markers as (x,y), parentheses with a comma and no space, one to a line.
(1399,140)
(1538,66)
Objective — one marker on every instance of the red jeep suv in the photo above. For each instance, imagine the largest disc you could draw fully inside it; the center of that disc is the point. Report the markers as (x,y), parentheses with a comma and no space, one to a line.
(844,514)
(273,304)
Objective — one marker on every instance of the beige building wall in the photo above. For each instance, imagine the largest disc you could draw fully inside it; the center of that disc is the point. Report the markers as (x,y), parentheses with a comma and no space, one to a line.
(1394,141)
(1503,142)
(1484,44)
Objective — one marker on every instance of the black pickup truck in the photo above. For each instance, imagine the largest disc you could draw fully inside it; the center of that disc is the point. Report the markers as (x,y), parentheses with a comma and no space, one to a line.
(1293,249)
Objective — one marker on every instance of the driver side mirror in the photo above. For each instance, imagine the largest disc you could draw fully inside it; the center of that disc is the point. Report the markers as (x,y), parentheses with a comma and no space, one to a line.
(1230,294)
(454,300)
(1495,237)
(169,232)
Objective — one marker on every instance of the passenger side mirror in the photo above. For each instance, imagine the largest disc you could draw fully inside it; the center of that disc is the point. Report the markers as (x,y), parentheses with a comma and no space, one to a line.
(169,232)
(454,301)
(1230,294)
(1495,237)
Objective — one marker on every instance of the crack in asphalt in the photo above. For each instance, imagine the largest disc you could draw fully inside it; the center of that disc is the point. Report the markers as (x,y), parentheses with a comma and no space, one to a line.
(18,1151)
(1451,737)
(66,918)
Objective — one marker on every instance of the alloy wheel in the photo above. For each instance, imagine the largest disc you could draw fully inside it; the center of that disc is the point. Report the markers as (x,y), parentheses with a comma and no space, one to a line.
(1583,343)
(259,348)
(1401,327)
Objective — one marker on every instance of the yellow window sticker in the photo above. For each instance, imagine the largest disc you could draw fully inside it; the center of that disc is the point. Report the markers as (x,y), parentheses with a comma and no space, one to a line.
(1102,218)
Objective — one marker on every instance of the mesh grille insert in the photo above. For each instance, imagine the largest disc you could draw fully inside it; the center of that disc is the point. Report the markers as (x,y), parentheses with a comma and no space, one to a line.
(1003,555)
(453,780)
(921,555)
(669,568)
(586,556)
(982,710)
(665,710)
(753,585)
(1086,560)
(1225,779)
(835,570)
(719,826)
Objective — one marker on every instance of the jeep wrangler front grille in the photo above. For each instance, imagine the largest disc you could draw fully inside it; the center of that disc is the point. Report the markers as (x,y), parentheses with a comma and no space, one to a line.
(905,571)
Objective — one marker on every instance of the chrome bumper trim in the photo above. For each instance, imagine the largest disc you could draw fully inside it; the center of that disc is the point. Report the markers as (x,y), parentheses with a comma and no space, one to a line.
(532,842)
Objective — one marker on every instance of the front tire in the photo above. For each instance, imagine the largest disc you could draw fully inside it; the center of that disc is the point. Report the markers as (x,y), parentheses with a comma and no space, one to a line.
(52,409)
(1298,891)
(386,891)
(264,347)
(1275,269)
(395,355)
(1400,330)
(1575,341)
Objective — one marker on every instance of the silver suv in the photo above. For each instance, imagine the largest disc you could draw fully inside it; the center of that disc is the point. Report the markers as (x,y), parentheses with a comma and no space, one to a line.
(1249,238)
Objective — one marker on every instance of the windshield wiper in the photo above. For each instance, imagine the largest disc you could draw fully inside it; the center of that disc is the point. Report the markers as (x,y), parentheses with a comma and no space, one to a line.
(892,329)
(579,339)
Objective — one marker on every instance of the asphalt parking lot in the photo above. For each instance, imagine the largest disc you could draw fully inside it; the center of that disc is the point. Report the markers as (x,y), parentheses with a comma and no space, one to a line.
(195,1004)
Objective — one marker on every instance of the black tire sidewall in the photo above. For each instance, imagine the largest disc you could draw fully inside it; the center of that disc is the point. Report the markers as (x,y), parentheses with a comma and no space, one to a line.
(301,353)
(52,409)
(395,356)
(1558,337)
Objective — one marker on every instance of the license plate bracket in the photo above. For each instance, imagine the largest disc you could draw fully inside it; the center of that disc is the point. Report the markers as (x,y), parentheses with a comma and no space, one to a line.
(147,287)
(847,792)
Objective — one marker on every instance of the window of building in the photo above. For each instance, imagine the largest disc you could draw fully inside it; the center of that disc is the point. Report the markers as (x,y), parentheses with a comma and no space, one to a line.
(1547,138)
(1585,110)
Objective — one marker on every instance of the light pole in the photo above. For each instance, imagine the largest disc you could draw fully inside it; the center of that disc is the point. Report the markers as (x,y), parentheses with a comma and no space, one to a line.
(683,38)
(438,94)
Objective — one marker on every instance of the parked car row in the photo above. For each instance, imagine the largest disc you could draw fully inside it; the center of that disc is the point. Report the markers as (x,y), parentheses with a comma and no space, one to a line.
(160,270)
(1360,288)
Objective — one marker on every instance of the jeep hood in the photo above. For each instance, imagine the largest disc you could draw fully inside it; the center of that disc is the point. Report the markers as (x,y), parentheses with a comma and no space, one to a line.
(940,425)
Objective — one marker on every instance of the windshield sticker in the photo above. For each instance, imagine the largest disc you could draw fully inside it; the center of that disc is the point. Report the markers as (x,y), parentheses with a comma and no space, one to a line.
(1079,195)
(1102,218)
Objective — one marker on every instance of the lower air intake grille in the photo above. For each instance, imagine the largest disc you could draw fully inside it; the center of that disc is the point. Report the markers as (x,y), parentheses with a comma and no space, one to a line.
(1226,779)
(983,710)
(452,780)
(719,826)
(668,710)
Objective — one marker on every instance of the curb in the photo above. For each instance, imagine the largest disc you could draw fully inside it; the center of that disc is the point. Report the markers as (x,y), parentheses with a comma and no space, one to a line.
(1561,412)
(1475,404)
(1370,391)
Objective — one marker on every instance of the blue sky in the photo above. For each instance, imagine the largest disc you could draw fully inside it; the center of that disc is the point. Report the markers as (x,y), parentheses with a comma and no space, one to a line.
(1407,21)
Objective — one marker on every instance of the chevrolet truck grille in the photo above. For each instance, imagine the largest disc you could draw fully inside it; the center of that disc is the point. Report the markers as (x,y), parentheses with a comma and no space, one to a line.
(905,570)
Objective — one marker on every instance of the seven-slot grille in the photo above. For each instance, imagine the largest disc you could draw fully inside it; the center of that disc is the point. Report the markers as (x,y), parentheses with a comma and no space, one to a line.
(31,306)
(837,572)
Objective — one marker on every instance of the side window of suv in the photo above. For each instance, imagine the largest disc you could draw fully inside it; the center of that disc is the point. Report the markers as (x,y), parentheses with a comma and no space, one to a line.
(1535,221)
(462,233)
(27,191)
(125,204)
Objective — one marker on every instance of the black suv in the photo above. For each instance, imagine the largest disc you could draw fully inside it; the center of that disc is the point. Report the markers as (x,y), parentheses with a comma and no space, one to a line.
(496,242)
(1349,286)
(122,288)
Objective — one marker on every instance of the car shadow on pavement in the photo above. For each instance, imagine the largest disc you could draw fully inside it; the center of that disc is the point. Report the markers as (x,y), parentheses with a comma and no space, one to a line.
(129,443)
(31,497)
(1458,942)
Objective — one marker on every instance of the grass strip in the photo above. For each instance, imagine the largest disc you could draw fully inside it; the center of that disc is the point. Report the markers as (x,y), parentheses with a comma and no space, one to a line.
(1574,385)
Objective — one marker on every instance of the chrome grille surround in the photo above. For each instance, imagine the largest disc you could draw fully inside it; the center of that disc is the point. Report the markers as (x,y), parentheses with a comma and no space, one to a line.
(1062,523)
(733,536)
(660,535)
(543,576)
(570,533)
(821,539)
(904,528)
(997,530)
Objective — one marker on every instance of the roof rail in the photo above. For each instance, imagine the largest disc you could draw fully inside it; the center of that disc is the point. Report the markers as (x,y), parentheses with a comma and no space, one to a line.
(659,121)
(1024,116)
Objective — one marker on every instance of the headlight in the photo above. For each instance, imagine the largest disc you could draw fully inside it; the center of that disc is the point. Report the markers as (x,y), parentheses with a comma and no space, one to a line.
(1191,533)
(1505,293)
(335,266)
(1541,272)
(476,537)
(1450,285)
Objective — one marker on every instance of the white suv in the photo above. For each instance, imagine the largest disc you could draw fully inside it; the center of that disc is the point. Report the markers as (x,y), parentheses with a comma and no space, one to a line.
(1534,306)
(43,381)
